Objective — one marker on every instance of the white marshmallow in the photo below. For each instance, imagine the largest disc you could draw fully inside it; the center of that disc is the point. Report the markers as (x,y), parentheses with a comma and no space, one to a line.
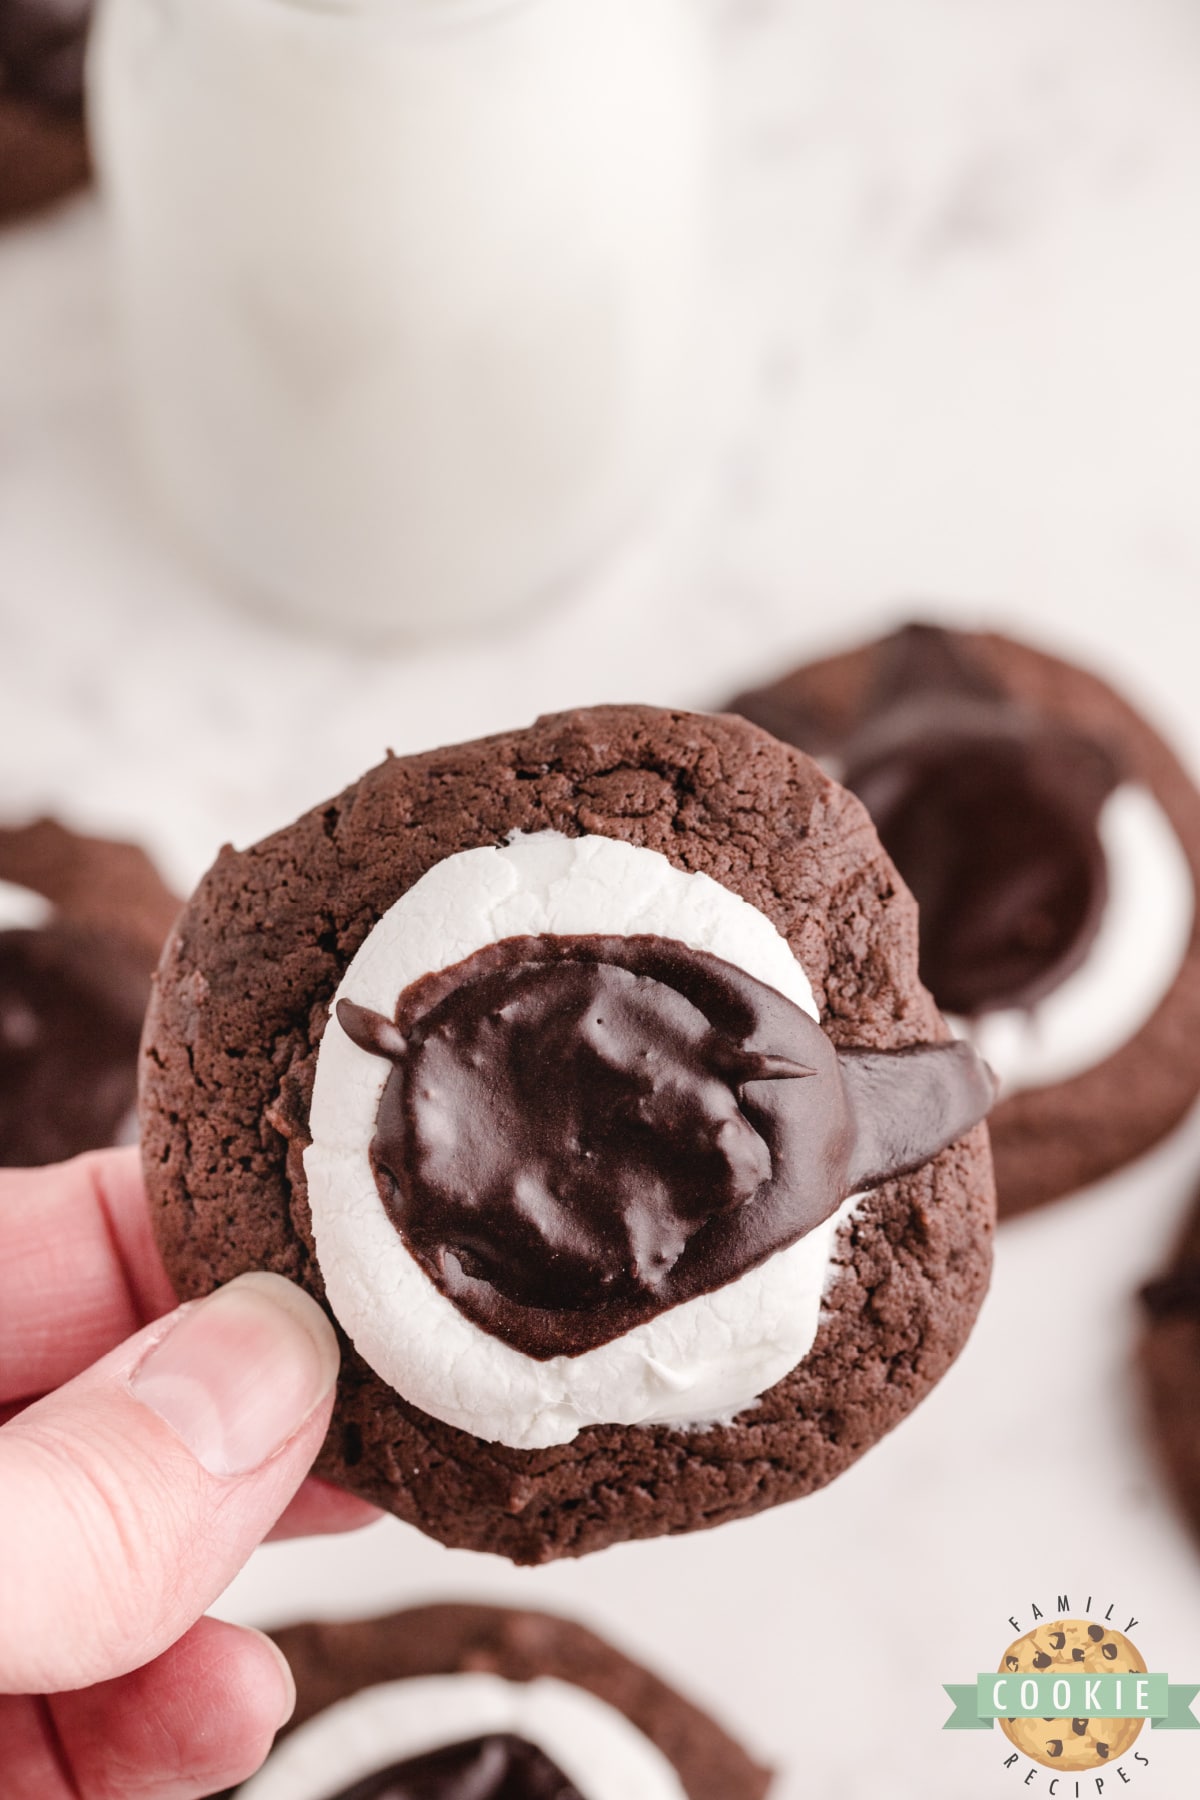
(596,1747)
(706,1359)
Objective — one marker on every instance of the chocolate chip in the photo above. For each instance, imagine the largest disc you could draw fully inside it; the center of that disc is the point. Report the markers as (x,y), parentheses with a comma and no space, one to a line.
(1058,1640)
(1095,1632)
(1101,1749)
(1012,1662)
(1054,1747)
(1041,1660)
(1079,1727)
(1077,1656)
(1109,1651)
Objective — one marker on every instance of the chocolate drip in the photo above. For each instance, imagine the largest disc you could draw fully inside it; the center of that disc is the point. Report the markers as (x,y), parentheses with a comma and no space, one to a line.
(42,47)
(582,1132)
(902,1101)
(500,1767)
(988,808)
(71,1007)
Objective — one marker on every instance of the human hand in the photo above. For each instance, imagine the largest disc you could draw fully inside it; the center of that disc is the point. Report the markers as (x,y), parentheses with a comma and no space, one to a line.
(132,1489)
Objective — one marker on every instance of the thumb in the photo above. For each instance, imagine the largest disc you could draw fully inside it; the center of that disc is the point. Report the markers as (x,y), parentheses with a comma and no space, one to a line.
(131,1496)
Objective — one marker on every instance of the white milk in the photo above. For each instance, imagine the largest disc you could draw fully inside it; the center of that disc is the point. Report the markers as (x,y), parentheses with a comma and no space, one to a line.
(409,285)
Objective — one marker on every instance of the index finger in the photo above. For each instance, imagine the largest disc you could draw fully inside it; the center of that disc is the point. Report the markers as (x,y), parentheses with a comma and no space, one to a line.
(79,1268)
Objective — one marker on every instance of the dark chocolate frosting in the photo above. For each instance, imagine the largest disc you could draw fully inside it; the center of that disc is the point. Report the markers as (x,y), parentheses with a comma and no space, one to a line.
(72,1001)
(581,1132)
(500,1767)
(42,48)
(989,810)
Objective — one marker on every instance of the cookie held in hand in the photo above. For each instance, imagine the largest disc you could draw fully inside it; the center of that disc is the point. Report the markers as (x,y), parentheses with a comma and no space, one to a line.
(1052,841)
(586,1075)
(446,1702)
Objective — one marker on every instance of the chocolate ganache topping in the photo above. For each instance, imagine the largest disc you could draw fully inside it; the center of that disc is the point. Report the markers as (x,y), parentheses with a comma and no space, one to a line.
(989,810)
(500,1767)
(579,1133)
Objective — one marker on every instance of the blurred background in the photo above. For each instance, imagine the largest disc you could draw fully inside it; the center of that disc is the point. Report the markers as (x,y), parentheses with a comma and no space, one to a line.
(935,330)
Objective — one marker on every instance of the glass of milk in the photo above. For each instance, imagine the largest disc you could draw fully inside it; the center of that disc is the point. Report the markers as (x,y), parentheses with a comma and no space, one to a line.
(410,287)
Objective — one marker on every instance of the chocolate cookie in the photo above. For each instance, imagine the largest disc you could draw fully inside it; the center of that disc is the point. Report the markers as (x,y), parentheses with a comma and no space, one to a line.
(1052,841)
(74,983)
(499,1697)
(43,146)
(1170,1358)
(558,1065)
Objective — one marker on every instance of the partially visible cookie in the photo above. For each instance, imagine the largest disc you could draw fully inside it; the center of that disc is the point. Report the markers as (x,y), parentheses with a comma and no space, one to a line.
(1052,841)
(443,1702)
(43,145)
(1072,1646)
(1170,1359)
(82,921)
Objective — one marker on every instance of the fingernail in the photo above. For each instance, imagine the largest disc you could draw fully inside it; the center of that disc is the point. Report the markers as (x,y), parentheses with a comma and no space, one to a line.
(287,1696)
(241,1372)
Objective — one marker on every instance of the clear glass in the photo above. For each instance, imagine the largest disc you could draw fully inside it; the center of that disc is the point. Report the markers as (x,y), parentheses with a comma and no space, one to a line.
(410,286)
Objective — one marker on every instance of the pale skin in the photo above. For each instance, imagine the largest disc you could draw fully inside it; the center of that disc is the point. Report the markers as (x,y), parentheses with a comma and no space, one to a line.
(145,1450)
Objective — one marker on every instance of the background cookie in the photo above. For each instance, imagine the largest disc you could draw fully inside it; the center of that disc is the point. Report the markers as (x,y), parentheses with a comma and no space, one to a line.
(74,983)
(43,147)
(331,1662)
(242,1002)
(1072,1645)
(1052,1135)
(1170,1359)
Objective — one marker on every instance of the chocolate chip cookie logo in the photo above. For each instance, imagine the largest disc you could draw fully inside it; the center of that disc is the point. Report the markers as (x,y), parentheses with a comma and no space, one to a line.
(1074,1696)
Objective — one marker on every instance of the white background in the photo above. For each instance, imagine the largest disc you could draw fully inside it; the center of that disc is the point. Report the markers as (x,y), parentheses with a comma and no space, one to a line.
(955,358)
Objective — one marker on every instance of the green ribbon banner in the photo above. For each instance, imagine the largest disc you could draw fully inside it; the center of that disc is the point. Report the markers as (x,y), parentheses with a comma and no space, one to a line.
(978,1704)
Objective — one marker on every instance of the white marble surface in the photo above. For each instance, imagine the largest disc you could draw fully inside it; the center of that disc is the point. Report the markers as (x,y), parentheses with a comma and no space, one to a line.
(957,360)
